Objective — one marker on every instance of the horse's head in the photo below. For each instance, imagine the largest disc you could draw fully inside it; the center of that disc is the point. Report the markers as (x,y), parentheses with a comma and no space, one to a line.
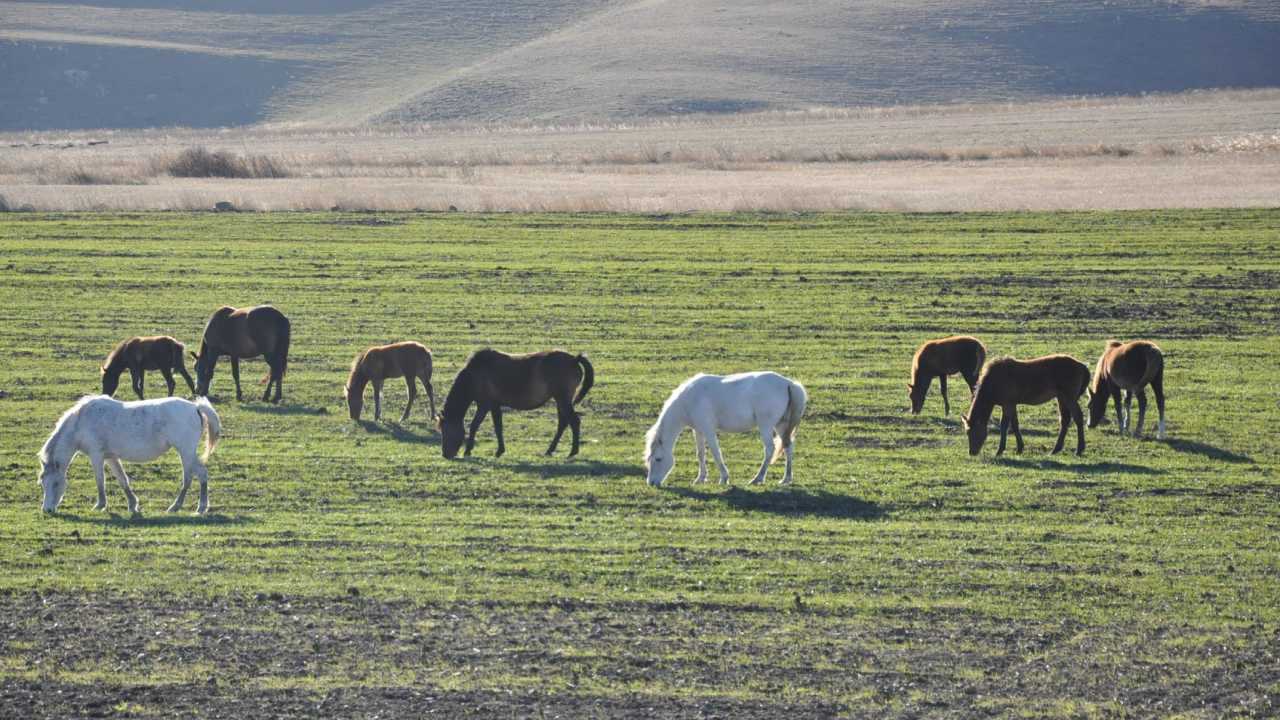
(977,434)
(110,381)
(204,369)
(1097,407)
(53,478)
(354,400)
(916,397)
(451,436)
(658,460)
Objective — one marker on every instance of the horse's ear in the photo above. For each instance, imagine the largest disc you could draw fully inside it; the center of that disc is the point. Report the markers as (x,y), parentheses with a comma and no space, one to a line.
(965,420)
(103,369)
(193,355)
(910,386)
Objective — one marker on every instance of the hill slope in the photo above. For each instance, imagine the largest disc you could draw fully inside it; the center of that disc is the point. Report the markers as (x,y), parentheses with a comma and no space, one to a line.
(131,63)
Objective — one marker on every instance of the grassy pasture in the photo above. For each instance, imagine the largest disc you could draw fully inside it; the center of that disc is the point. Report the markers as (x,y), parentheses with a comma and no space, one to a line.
(348,569)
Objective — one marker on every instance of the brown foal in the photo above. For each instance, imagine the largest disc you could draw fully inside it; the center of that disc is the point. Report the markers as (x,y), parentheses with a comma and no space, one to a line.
(409,360)
(1009,383)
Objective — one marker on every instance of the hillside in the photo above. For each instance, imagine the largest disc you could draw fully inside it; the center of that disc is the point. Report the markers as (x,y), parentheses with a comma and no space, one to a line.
(139,63)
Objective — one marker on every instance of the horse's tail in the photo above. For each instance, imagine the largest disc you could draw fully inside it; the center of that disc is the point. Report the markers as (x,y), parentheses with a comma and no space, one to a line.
(209,419)
(796,400)
(588,378)
(282,350)
(980,359)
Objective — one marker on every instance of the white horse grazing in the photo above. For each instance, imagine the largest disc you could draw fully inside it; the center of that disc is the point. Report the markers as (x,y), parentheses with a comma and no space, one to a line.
(109,431)
(736,403)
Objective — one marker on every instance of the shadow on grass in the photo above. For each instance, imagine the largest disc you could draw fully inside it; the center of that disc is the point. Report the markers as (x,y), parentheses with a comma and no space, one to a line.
(161,519)
(399,432)
(269,409)
(559,467)
(1209,451)
(787,501)
(1084,468)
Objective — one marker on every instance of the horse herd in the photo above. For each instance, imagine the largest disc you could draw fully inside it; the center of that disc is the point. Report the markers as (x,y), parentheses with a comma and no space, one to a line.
(108,431)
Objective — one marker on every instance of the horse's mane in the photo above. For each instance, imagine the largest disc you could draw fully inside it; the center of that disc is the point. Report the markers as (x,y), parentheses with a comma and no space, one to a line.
(63,424)
(355,369)
(652,433)
(115,353)
(982,377)
(1095,384)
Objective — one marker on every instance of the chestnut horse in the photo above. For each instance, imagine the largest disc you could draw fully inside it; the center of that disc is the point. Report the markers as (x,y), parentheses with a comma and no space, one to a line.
(1129,367)
(139,354)
(1009,383)
(246,333)
(493,380)
(940,358)
(409,360)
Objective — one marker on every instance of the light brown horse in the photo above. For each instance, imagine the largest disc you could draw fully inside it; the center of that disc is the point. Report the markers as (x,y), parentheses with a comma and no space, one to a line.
(1129,367)
(1009,383)
(940,358)
(139,354)
(493,380)
(409,360)
(245,333)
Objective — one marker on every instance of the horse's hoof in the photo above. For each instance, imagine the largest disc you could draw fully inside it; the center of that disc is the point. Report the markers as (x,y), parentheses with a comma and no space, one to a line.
(500,453)
(174,508)
(100,507)
(202,511)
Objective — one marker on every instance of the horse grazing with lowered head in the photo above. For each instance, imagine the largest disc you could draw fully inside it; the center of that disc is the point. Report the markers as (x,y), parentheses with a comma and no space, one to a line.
(109,431)
(766,401)
(940,358)
(494,380)
(244,333)
(409,360)
(1129,367)
(1009,383)
(140,354)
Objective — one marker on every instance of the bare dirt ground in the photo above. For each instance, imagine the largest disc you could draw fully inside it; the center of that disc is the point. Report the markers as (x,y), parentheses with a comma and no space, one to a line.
(1198,150)
(269,654)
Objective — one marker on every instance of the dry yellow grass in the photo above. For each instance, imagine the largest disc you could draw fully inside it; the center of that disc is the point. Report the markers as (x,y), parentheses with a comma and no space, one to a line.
(1190,150)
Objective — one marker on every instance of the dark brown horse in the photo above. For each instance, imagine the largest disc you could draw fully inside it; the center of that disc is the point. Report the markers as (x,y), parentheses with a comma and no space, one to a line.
(247,333)
(139,354)
(1009,383)
(493,380)
(940,358)
(409,360)
(1129,367)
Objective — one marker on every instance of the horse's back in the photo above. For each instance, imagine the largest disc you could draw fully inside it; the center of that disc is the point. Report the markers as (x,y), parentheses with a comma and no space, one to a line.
(1134,364)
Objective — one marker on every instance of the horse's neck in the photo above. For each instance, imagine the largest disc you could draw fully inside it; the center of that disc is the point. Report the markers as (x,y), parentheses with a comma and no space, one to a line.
(61,445)
(671,422)
(459,397)
(983,405)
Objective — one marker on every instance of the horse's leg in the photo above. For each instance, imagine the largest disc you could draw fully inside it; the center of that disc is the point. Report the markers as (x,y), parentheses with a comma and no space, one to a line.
(481,411)
(412,386)
(1115,397)
(1157,386)
(562,422)
(1128,411)
(946,403)
(136,376)
(377,400)
(189,462)
(168,380)
(971,379)
(1064,423)
(1078,415)
(185,376)
(118,470)
(1004,429)
(1017,431)
(700,441)
(203,471)
(431,395)
(786,477)
(766,437)
(235,375)
(277,376)
(96,461)
(497,429)
(575,427)
(1142,411)
(713,443)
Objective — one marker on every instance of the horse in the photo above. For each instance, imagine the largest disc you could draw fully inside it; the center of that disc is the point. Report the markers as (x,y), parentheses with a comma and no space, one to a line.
(940,358)
(108,431)
(1129,367)
(139,354)
(493,380)
(767,401)
(1008,383)
(244,333)
(409,360)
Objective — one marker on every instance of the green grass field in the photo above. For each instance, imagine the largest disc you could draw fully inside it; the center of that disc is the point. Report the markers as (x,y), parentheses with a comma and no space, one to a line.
(347,569)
